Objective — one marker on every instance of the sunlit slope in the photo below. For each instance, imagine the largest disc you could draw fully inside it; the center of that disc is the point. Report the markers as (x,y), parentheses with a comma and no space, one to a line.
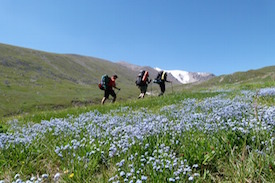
(32,80)
(36,79)
(252,79)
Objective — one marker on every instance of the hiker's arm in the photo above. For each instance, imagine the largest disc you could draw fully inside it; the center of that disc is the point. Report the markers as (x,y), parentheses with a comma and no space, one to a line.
(116,88)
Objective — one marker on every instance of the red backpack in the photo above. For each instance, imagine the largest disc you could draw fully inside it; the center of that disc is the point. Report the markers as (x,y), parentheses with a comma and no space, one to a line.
(142,78)
(145,76)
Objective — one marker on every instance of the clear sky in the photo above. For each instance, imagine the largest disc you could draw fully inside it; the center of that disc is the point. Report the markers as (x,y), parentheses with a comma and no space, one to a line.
(216,36)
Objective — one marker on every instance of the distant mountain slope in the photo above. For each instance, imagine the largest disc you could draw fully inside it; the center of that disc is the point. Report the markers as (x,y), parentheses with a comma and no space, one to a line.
(263,77)
(73,68)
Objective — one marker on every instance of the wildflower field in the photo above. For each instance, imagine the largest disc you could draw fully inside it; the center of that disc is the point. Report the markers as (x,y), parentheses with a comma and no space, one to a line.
(224,136)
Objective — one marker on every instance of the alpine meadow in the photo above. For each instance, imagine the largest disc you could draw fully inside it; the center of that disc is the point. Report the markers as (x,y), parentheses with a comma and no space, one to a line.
(53,128)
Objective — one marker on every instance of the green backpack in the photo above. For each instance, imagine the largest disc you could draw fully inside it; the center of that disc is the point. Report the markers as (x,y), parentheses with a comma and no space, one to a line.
(105,79)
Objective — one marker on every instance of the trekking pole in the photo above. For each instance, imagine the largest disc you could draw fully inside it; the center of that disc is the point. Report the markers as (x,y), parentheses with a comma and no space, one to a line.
(172,87)
(117,91)
(151,89)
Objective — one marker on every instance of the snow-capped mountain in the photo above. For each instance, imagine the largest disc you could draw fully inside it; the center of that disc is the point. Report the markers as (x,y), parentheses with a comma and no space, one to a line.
(188,77)
(176,76)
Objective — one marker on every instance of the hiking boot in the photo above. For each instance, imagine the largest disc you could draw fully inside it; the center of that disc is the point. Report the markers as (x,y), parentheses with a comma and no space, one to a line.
(160,94)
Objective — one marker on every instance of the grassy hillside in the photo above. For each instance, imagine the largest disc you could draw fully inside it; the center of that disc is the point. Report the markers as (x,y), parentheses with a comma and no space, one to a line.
(33,80)
(184,137)
(252,79)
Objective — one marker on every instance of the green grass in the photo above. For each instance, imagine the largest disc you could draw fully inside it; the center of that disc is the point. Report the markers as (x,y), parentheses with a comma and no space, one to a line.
(33,80)
(222,156)
(37,86)
(151,102)
(249,80)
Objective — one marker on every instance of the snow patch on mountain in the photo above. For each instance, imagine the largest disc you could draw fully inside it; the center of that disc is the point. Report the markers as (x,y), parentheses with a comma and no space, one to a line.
(181,76)
(188,77)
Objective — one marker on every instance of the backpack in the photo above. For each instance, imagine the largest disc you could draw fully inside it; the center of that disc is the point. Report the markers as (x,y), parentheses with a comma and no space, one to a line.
(162,75)
(145,76)
(159,75)
(105,79)
(142,78)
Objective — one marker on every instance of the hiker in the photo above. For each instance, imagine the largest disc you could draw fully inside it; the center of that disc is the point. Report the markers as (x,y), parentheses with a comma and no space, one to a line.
(142,82)
(109,89)
(161,79)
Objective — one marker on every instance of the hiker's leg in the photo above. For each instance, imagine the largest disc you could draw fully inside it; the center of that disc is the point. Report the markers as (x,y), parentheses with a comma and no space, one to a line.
(113,94)
(140,92)
(106,95)
(103,100)
(143,95)
(143,91)
(162,88)
(114,99)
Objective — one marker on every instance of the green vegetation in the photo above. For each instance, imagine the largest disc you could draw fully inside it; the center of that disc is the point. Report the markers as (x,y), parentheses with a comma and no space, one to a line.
(220,156)
(250,80)
(54,129)
(154,103)
(33,81)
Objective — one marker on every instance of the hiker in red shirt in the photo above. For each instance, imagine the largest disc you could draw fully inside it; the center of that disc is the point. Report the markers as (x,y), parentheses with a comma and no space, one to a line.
(109,90)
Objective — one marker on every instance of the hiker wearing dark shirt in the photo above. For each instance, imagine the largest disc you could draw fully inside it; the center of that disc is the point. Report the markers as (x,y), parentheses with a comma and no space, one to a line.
(161,79)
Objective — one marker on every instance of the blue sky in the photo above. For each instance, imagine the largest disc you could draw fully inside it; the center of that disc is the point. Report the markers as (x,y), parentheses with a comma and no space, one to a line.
(216,36)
